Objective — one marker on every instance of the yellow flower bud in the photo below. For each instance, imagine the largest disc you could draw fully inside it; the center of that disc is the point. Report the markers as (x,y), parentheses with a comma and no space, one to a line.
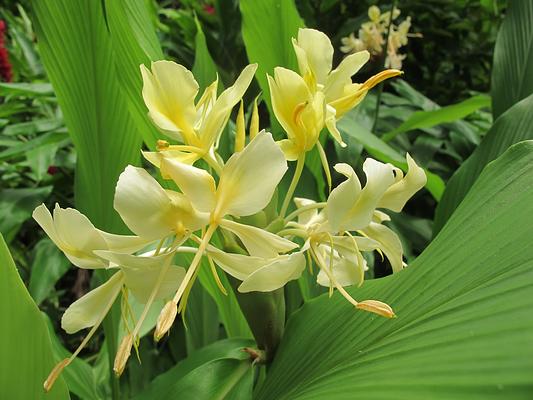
(165,320)
(376,307)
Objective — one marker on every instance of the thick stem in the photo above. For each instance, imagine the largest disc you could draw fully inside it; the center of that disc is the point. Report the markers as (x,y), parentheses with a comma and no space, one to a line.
(265,313)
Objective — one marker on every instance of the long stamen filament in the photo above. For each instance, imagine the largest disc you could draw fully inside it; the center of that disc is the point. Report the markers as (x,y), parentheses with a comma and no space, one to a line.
(303,209)
(295,179)
(168,314)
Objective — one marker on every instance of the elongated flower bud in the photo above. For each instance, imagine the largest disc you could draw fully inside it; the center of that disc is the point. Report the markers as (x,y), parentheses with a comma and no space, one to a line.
(165,320)
(240,133)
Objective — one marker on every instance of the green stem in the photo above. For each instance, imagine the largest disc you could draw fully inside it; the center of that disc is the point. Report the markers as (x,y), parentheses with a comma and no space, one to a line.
(295,179)
(384,58)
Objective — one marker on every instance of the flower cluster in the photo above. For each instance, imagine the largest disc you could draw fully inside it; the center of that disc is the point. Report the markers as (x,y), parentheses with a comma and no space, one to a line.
(371,36)
(225,211)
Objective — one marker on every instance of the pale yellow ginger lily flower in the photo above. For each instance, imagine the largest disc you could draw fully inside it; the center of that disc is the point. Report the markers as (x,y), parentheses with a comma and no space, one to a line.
(350,208)
(149,277)
(246,185)
(151,211)
(300,112)
(77,237)
(169,92)
(314,52)
(260,274)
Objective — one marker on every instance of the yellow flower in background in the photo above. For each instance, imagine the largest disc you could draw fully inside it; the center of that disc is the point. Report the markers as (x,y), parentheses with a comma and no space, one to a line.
(169,92)
(372,34)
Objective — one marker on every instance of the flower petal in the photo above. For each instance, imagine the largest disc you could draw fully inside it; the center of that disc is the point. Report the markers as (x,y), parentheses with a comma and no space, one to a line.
(343,197)
(257,241)
(73,234)
(195,183)
(86,311)
(275,274)
(345,272)
(397,195)
(142,272)
(169,91)
(219,114)
(341,76)
(151,211)
(389,243)
(239,266)
(289,92)
(318,53)
(250,177)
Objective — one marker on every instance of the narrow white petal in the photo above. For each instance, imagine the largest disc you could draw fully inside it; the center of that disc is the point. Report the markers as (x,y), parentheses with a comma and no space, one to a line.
(275,274)
(239,266)
(389,243)
(399,193)
(257,241)
(219,114)
(87,310)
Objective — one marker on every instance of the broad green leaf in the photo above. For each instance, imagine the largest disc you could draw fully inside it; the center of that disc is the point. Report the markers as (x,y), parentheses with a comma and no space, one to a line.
(58,139)
(77,53)
(27,89)
(202,320)
(380,150)
(204,68)
(513,126)
(16,206)
(512,77)
(268,27)
(79,375)
(84,68)
(48,266)
(427,119)
(464,328)
(219,371)
(135,42)
(24,340)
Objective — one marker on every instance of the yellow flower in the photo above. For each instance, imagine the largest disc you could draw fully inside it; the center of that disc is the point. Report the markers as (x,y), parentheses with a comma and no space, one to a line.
(169,92)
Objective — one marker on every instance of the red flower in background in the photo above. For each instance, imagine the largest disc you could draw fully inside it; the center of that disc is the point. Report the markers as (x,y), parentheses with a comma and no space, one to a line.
(5,65)
(209,9)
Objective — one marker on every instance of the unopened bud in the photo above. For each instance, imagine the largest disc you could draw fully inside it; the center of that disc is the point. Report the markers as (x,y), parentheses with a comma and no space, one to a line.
(165,320)
(123,354)
(49,382)
(376,307)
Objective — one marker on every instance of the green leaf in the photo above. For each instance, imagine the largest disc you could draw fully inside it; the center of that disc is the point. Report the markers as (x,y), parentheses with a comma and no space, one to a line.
(76,50)
(464,328)
(24,341)
(79,375)
(512,79)
(380,150)
(204,68)
(513,126)
(219,371)
(58,139)
(428,119)
(48,266)
(135,42)
(27,89)
(16,206)
(268,27)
